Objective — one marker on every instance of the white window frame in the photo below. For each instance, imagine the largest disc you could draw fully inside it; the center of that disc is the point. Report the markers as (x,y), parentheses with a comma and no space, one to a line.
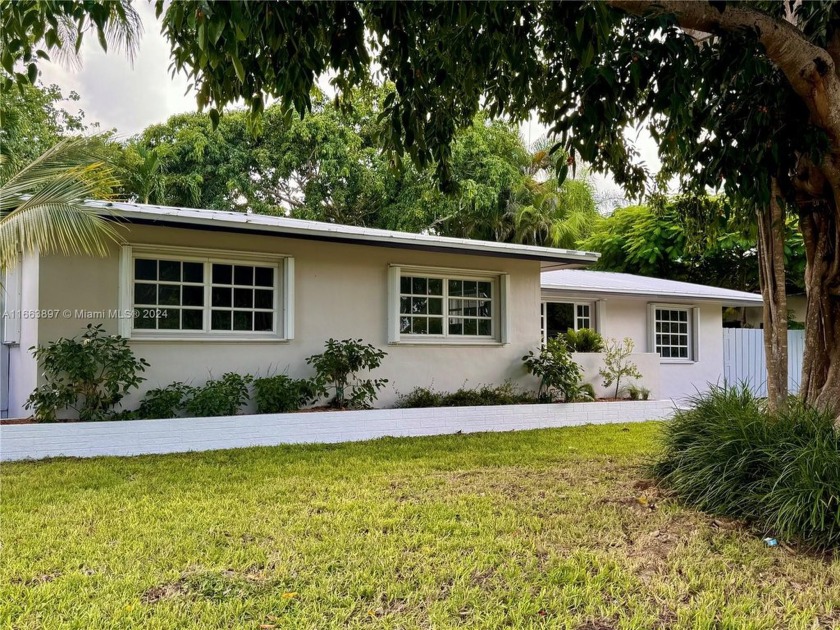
(12,288)
(283,288)
(693,325)
(499,322)
(575,305)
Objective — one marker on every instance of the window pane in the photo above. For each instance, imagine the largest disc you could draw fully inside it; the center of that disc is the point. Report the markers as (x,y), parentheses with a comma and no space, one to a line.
(193,272)
(191,319)
(456,326)
(405,324)
(418,286)
(436,306)
(435,325)
(144,323)
(435,286)
(263,321)
(405,305)
(192,296)
(456,288)
(222,296)
(170,270)
(243,298)
(560,317)
(145,293)
(145,269)
(405,284)
(243,275)
(484,289)
(220,320)
(420,325)
(169,319)
(264,277)
(456,307)
(222,274)
(169,294)
(243,320)
(484,308)
(419,306)
(263,298)
(470,327)
(484,327)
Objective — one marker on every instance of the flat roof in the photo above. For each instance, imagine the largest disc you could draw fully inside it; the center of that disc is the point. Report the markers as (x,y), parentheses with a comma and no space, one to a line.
(549,257)
(584,281)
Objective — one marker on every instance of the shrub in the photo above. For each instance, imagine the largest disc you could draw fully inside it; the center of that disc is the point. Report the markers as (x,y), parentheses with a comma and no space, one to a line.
(728,455)
(617,363)
(557,371)
(281,394)
(635,392)
(507,394)
(90,375)
(337,373)
(163,402)
(220,397)
(584,340)
(583,392)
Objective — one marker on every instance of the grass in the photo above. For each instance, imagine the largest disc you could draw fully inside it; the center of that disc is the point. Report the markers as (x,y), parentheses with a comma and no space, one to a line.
(551,528)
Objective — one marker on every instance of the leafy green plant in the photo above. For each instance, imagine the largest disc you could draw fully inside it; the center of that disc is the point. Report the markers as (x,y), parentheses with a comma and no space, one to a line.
(282,394)
(636,392)
(90,375)
(584,340)
(728,455)
(218,397)
(557,371)
(163,402)
(506,394)
(420,397)
(617,363)
(583,392)
(337,373)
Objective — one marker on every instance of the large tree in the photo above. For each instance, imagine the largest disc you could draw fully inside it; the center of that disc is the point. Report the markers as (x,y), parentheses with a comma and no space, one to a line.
(740,95)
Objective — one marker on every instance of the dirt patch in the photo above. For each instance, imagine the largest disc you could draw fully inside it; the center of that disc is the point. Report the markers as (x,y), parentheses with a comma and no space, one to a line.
(212,585)
(164,591)
(597,624)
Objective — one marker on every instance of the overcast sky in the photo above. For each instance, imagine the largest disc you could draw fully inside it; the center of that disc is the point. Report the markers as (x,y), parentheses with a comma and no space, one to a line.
(129,98)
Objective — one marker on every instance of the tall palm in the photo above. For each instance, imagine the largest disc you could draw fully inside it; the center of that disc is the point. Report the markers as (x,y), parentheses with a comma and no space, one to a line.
(42,204)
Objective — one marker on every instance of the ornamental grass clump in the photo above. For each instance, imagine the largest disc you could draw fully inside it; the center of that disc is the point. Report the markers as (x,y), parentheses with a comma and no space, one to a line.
(779,471)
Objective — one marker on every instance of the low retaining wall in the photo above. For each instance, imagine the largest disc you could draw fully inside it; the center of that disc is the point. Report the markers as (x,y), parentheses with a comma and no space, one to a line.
(141,437)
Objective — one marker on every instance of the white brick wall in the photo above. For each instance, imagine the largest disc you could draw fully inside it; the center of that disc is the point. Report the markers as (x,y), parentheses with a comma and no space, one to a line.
(139,437)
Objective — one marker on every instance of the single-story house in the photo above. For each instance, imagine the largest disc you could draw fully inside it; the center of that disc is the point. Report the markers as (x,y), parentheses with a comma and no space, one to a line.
(200,293)
(679,323)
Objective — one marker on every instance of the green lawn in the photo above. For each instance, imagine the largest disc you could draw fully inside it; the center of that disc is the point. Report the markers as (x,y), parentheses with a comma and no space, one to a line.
(551,528)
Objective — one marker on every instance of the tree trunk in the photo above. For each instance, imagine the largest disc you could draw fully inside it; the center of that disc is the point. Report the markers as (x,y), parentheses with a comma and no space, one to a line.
(821,363)
(771,263)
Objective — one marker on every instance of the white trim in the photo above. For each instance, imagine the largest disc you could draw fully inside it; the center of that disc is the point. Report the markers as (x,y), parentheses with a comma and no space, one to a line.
(282,308)
(505,323)
(393,304)
(601,317)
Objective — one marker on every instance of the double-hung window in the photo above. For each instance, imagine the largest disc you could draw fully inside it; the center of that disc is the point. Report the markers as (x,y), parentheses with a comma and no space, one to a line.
(673,331)
(438,305)
(178,293)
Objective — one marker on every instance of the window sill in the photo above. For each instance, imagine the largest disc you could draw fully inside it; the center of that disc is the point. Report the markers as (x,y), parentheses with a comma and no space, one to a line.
(209,338)
(678,361)
(447,343)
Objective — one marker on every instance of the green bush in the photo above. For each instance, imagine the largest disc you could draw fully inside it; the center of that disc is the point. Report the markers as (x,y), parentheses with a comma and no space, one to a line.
(636,392)
(337,373)
(557,370)
(507,394)
(584,340)
(281,394)
(163,402)
(219,397)
(729,455)
(90,375)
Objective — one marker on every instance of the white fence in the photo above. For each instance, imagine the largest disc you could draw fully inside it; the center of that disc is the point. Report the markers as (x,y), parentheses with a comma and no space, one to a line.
(744,361)
(178,435)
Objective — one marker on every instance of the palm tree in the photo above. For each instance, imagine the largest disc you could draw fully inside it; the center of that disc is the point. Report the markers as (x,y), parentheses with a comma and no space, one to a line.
(42,204)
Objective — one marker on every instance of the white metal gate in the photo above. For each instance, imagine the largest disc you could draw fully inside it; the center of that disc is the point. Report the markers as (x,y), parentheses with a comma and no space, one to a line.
(743,358)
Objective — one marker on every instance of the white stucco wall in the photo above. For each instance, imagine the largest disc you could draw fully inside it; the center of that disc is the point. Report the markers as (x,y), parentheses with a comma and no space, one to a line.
(340,292)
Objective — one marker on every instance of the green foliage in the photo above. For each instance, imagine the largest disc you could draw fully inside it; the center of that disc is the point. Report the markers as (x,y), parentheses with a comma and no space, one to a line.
(337,373)
(728,455)
(218,397)
(485,395)
(281,394)
(163,402)
(693,239)
(617,363)
(90,375)
(635,392)
(557,371)
(584,340)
